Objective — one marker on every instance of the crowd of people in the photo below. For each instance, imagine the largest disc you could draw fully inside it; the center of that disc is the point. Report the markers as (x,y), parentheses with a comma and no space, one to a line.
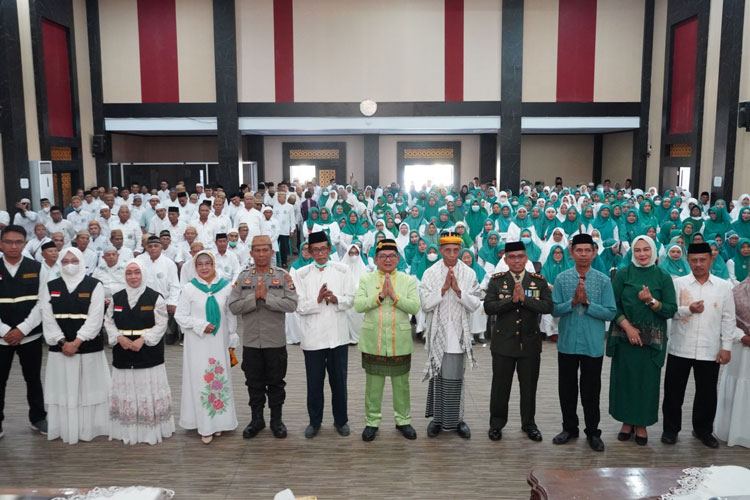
(653,280)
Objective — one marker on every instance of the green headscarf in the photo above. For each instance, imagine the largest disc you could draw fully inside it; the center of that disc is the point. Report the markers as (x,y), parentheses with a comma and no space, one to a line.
(478,270)
(604,224)
(741,264)
(475,219)
(571,226)
(719,267)
(424,264)
(742,228)
(301,261)
(677,267)
(411,248)
(551,269)
(488,253)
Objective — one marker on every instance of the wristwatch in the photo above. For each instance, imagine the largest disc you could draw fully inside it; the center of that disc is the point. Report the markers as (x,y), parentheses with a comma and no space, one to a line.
(651,303)
(61,342)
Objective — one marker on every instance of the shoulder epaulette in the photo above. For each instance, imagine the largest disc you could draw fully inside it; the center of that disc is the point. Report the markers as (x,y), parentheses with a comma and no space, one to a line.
(499,275)
(537,275)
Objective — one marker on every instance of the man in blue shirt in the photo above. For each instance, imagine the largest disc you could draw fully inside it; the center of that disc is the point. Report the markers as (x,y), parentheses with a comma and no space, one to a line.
(584,301)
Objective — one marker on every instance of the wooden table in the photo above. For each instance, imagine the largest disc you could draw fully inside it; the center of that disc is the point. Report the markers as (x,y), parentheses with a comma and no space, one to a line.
(608,483)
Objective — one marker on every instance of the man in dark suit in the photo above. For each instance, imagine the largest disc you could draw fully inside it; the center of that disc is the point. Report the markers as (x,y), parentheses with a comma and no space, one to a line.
(307,205)
(518,299)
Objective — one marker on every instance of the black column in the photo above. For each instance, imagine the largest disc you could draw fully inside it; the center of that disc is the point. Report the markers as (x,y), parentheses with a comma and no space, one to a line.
(12,110)
(640,136)
(227,122)
(102,154)
(596,171)
(730,57)
(372,160)
(256,153)
(487,157)
(511,70)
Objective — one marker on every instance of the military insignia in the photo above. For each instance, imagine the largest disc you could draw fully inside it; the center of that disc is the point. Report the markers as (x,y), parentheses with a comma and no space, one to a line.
(247,282)
(287,277)
(499,275)
(275,282)
(532,285)
(291,285)
(270,271)
(253,270)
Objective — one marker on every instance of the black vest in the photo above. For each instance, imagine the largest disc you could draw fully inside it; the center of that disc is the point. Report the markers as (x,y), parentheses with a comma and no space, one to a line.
(140,317)
(18,294)
(74,304)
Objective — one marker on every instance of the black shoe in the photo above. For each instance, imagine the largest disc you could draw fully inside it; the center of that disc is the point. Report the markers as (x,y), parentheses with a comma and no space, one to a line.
(408,431)
(253,428)
(495,434)
(40,427)
(369,433)
(564,437)
(668,438)
(534,434)
(463,430)
(708,440)
(641,440)
(311,432)
(625,436)
(278,428)
(343,430)
(171,339)
(596,443)
(433,429)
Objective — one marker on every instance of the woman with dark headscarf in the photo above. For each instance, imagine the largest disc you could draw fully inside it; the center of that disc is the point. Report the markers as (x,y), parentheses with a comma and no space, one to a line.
(207,402)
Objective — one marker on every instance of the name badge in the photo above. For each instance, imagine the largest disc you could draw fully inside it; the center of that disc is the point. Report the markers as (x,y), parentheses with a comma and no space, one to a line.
(147,308)
(84,295)
(30,275)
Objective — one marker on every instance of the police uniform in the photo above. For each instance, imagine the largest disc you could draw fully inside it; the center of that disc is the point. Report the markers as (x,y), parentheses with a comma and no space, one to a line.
(516,345)
(264,356)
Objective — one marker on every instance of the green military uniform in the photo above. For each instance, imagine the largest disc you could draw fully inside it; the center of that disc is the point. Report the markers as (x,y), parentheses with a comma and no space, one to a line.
(386,342)
(516,343)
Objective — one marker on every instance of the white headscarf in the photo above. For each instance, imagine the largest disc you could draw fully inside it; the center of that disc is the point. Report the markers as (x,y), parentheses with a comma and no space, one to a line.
(401,239)
(651,243)
(134,293)
(550,242)
(72,275)
(354,263)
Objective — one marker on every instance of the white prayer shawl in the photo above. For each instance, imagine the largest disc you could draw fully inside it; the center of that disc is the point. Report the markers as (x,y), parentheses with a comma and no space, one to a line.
(438,311)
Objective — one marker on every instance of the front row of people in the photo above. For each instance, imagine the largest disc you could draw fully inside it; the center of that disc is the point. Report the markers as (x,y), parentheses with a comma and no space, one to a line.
(133,404)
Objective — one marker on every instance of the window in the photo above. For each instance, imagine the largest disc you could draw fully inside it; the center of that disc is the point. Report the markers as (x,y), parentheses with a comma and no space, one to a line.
(302,173)
(423,175)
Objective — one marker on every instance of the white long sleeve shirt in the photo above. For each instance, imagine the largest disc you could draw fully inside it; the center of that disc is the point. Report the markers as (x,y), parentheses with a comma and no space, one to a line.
(227,265)
(323,326)
(65,227)
(90,328)
(112,278)
(161,275)
(701,336)
(131,232)
(284,215)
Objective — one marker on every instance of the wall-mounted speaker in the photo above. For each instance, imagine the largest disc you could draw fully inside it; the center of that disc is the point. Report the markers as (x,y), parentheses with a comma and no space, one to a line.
(743,116)
(99,144)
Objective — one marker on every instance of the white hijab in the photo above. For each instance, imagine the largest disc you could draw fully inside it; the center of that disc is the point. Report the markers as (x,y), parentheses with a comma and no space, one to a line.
(550,242)
(651,243)
(134,293)
(402,240)
(72,280)
(354,263)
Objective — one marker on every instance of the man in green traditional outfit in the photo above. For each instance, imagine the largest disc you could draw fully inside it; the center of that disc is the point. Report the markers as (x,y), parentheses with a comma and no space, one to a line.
(387,298)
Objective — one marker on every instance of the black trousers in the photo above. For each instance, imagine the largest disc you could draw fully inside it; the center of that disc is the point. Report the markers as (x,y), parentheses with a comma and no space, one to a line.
(706,375)
(591,386)
(503,368)
(336,362)
(30,356)
(284,248)
(265,370)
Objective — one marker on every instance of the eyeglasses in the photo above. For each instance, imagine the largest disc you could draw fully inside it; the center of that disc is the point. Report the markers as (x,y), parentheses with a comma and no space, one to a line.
(389,256)
(515,256)
(319,250)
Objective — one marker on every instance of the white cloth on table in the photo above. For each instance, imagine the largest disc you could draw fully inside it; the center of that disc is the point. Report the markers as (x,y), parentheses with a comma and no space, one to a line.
(207,402)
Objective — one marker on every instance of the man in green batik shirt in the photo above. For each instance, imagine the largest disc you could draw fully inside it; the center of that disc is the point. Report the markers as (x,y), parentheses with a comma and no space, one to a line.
(387,297)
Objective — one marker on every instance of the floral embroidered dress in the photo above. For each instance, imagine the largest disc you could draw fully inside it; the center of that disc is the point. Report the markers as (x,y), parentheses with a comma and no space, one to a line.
(207,403)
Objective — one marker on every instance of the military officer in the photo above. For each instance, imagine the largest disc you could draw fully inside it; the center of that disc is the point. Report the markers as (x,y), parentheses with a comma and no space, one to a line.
(518,299)
(261,297)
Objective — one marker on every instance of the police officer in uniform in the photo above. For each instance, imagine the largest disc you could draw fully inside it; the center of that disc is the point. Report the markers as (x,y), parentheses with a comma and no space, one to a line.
(261,297)
(518,299)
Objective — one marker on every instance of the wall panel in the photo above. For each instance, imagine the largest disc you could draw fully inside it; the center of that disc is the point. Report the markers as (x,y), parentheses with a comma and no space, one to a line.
(273,156)
(742,155)
(544,157)
(84,91)
(338,56)
(29,88)
(255,58)
(195,50)
(617,157)
(709,98)
(619,47)
(540,50)
(657,93)
(482,29)
(121,59)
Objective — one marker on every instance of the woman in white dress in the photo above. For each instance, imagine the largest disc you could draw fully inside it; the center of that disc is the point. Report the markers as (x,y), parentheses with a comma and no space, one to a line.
(291,322)
(77,381)
(733,409)
(140,406)
(207,401)
(353,260)
(478,323)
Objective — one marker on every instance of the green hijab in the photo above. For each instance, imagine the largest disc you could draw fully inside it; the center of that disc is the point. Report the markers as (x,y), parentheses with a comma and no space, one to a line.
(677,267)
(551,269)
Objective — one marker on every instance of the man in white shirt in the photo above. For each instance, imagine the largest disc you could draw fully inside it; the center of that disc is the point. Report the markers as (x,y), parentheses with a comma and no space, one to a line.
(175,227)
(249,215)
(159,222)
(111,271)
(58,224)
(43,215)
(324,295)
(149,212)
(97,240)
(25,217)
(164,192)
(161,275)
(105,217)
(90,258)
(117,239)
(285,218)
(78,217)
(172,252)
(238,248)
(703,330)
(227,265)
(187,209)
(222,221)
(205,226)
(20,319)
(269,227)
(131,230)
